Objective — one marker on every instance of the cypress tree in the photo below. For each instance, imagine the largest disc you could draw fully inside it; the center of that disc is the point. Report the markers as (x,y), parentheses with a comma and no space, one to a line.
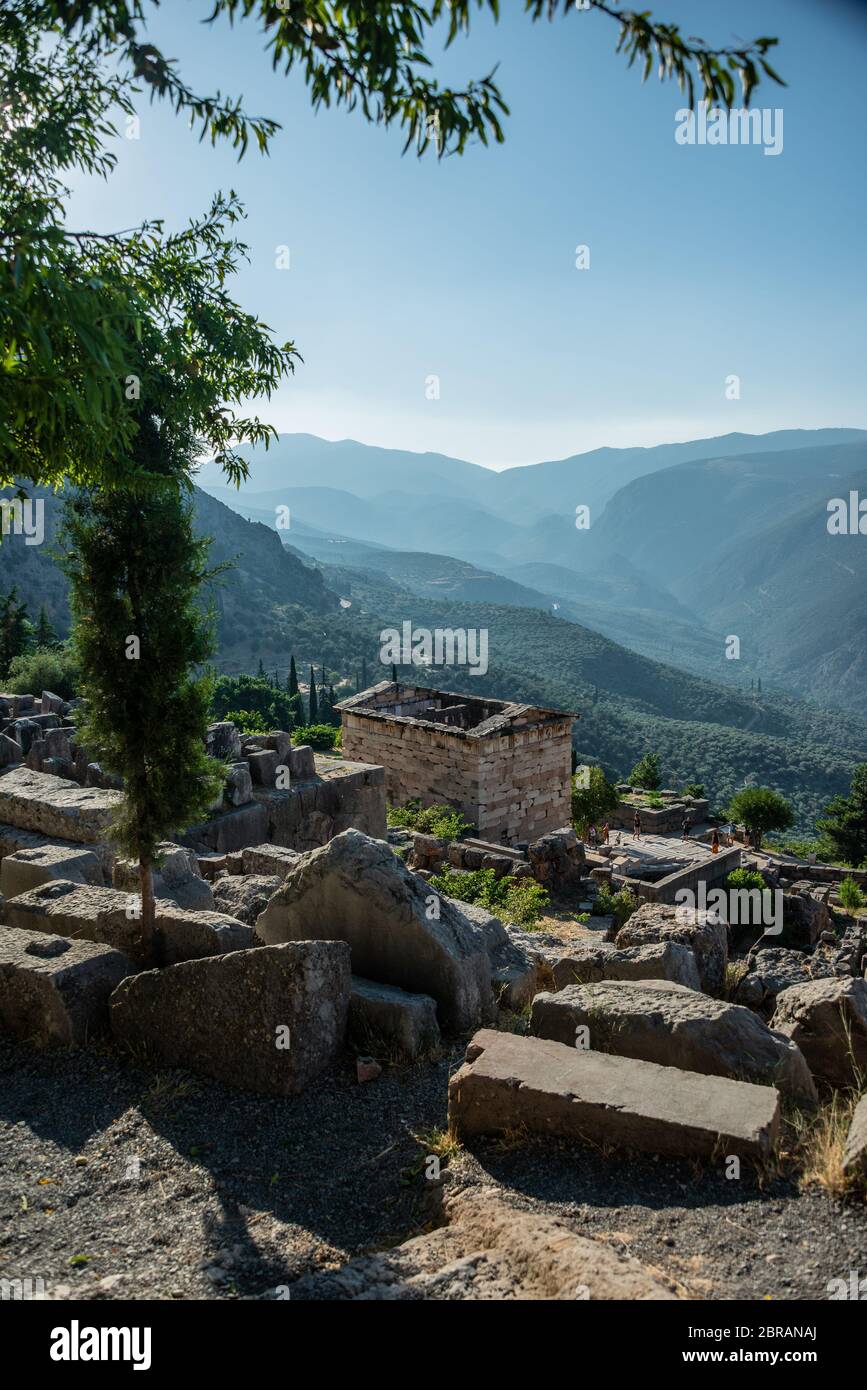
(313,703)
(364,673)
(261,670)
(292,683)
(394,673)
(45,636)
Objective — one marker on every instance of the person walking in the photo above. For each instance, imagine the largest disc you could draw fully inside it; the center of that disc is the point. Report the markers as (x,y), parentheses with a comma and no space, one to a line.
(636,826)
(686,826)
(605,833)
(593,836)
(714,842)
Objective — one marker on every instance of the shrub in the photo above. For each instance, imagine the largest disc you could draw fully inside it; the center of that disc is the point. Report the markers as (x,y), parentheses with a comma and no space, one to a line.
(322,738)
(520,900)
(619,905)
(654,801)
(851,895)
(46,668)
(248,721)
(591,802)
(443,821)
(745,878)
(694,790)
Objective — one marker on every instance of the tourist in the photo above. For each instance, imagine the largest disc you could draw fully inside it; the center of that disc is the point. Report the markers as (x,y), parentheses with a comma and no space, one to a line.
(593,837)
(605,833)
(714,842)
(686,826)
(636,826)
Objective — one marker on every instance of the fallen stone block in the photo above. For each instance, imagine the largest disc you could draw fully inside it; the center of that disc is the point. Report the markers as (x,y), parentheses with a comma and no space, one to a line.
(267,1020)
(515,976)
(601,960)
(36,801)
(55,992)
(269,859)
(855,1152)
(658,1021)
(491,1251)
(28,868)
(176,876)
(356,889)
(828,1021)
(13,839)
(51,703)
(701,931)
(245,896)
(185,935)
(804,919)
(302,763)
(239,785)
(264,763)
(278,741)
(223,741)
(81,912)
(382,1015)
(10,751)
(510,1081)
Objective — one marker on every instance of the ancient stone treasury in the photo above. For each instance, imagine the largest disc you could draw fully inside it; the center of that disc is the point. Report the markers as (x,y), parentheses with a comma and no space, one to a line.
(307,945)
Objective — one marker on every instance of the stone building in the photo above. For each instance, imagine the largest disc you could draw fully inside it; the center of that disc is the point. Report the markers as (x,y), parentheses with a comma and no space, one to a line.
(507,767)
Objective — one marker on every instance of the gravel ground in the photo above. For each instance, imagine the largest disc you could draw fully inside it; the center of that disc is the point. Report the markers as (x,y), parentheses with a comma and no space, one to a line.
(118,1182)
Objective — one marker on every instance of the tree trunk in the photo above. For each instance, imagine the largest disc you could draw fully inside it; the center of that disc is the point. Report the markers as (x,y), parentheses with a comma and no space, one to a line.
(146,880)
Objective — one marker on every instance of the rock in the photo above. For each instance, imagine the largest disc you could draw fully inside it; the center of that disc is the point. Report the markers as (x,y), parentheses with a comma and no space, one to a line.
(367,1069)
(601,960)
(557,860)
(278,741)
(36,801)
(50,703)
(267,1020)
(112,918)
(302,763)
(658,1021)
(223,742)
(264,763)
(855,1152)
(508,1082)
(514,969)
(269,859)
(55,992)
(239,785)
(244,896)
(828,1021)
(804,919)
(491,1251)
(28,868)
(381,1015)
(231,830)
(771,970)
(428,851)
(185,935)
(706,937)
(10,751)
(176,877)
(356,889)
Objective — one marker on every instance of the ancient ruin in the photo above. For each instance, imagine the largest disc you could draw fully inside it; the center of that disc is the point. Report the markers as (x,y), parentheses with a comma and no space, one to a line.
(506,767)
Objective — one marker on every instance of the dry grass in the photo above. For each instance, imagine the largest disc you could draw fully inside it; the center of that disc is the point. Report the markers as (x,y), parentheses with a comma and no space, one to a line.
(735,972)
(818,1142)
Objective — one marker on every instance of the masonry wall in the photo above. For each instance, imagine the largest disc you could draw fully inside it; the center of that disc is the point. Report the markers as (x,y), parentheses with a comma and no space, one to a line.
(431,764)
(525,783)
(513,786)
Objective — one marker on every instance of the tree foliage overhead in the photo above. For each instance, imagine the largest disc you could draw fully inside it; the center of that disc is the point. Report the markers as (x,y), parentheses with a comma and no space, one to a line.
(844,824)
(87,317)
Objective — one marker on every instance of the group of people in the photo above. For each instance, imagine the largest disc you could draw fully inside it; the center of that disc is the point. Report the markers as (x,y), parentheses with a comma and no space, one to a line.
(594,837)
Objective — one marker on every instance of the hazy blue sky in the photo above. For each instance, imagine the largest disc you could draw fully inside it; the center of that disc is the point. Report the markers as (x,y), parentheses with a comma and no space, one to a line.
(704,261)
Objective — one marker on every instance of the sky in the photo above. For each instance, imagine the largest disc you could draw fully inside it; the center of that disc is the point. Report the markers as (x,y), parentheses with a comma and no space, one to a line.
(706,262)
